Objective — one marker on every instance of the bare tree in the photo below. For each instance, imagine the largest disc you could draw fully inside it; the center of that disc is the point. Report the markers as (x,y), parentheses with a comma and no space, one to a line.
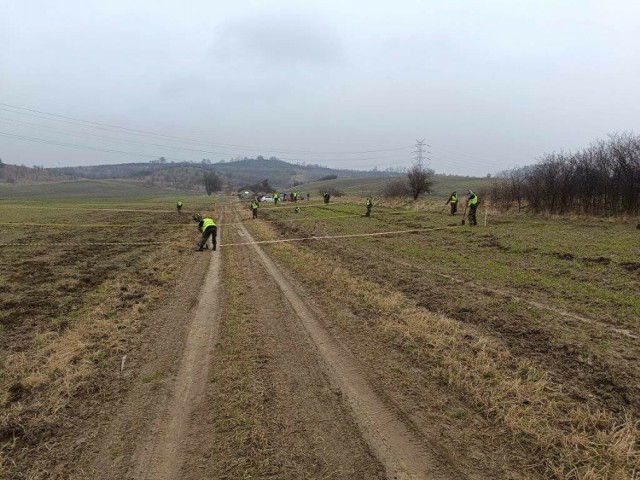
(602,179)
(420,179)
(212,182)
(398,188)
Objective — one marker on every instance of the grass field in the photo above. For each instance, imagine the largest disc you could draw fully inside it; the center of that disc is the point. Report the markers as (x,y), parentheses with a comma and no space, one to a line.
(363,187)
(85,189)
(538,329)
(517,342)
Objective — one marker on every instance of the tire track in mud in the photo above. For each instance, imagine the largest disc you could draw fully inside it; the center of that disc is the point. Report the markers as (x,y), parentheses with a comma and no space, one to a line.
(160,456)
(271,409)
(396,441)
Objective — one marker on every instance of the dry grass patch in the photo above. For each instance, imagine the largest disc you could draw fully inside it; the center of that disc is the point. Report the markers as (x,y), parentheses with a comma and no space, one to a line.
(71,363)
(556,436)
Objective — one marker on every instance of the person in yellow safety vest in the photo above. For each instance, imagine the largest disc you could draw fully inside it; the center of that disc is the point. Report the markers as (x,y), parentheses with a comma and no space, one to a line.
(369,205)
(209,229)
(453,200)
(179,205)
(295,196)
(472,203)
(276,197)
(254,209)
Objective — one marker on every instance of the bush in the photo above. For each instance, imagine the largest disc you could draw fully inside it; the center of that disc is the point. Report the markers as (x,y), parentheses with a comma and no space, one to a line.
(397,189)
(602,179)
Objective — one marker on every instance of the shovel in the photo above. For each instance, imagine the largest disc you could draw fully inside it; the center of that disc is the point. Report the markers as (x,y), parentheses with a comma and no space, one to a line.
(464,214)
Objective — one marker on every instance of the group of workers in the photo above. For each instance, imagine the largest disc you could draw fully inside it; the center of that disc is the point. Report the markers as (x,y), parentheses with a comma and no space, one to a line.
(208,227)
(472,205)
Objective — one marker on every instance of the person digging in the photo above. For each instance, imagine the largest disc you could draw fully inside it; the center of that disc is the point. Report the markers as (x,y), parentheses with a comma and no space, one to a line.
(453,200)
(369,205)
(472,203)
(209,229)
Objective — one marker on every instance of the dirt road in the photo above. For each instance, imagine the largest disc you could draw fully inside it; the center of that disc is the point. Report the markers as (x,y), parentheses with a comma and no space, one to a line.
(158,456)
(396,442)
(263,389)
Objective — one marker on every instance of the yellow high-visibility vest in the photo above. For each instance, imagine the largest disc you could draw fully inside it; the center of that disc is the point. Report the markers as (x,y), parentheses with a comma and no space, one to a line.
(206,223)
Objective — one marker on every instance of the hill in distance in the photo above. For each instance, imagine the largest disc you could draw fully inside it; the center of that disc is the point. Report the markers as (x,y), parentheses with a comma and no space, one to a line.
(184,176)
(22,175)
(236,174)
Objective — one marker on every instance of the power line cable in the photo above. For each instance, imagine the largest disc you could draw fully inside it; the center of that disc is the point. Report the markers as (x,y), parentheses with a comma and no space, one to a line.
(85,147)
(80,134)
(36,126)
(188,140)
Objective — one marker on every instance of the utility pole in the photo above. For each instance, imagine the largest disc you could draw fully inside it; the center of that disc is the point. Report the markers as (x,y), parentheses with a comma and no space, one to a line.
(419,176)
(419,152)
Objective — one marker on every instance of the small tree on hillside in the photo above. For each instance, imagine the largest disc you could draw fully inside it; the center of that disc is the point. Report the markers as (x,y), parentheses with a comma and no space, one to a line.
(212,182)
(420,179)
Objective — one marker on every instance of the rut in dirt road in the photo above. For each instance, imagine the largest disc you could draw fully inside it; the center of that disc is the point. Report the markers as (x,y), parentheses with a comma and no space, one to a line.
(160,457)
(395,440)
(270,408)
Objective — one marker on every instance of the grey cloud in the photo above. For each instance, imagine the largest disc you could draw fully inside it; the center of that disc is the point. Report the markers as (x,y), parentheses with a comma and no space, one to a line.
(277,39)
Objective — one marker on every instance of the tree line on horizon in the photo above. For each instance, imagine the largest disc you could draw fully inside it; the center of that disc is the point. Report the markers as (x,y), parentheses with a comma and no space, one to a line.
(601,179)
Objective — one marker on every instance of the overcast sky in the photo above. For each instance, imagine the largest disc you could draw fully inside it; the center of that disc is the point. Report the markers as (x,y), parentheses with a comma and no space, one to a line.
(489,84)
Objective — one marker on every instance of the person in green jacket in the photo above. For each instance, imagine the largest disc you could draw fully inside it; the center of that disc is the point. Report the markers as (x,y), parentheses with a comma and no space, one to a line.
(209,229)
(276,198)
(254,209)
(472,203)
(369,204)
(179,206)
(453,200)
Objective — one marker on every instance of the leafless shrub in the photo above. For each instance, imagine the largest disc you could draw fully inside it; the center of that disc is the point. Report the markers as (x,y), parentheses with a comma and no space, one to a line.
(602,179)
(420,180)
(397,189)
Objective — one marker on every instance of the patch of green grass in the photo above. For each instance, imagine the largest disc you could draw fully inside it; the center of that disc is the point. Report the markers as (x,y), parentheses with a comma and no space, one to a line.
(458,414)
(115,452)
(150,377)
(98,356)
